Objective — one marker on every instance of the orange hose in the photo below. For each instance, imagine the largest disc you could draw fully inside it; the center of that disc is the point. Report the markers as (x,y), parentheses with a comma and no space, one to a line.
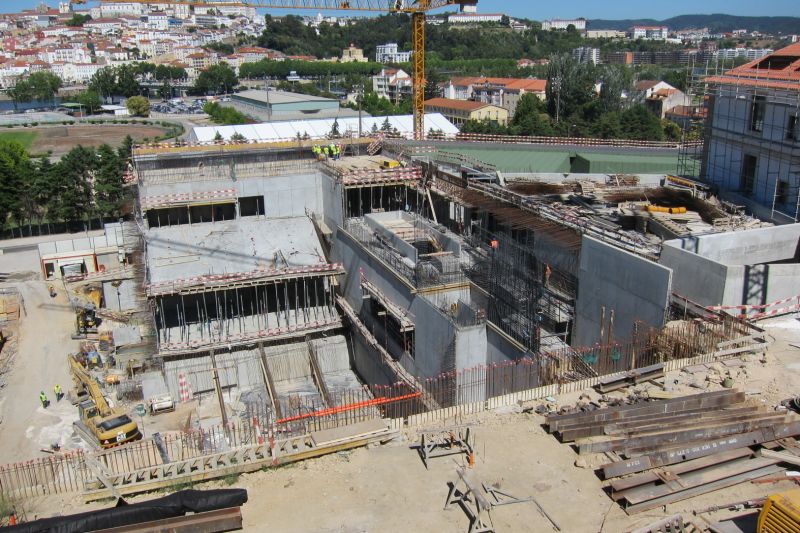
(350,407)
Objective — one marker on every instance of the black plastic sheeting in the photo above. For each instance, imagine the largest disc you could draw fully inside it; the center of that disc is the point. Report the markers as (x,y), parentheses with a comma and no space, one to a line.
(174,505)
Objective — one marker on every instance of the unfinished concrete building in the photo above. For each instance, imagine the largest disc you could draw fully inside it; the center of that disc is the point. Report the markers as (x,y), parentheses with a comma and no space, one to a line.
(238,282)
(275,279)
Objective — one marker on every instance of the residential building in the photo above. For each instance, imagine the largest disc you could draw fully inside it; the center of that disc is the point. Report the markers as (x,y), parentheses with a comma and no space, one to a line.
(750,53)
(563,24)
(460,111)
(753,149)
(502,92)
(116,9)
(390,53)
(351,54)
(393,84)
(474,18)
(605,34)
(586,54)
(658,33)
(663,100)
(644,89)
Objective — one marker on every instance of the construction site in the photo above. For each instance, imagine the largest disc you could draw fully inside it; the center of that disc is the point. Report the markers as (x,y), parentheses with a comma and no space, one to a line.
(454,333)
(265,305)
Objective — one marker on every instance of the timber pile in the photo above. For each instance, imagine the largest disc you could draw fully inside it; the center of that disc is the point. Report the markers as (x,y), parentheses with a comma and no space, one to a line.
(666,451)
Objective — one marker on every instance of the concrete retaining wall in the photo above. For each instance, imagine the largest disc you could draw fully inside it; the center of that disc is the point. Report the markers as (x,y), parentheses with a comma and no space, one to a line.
(633,287)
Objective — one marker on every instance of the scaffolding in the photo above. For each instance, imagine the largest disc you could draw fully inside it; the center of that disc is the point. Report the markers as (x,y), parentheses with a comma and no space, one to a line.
(751,133)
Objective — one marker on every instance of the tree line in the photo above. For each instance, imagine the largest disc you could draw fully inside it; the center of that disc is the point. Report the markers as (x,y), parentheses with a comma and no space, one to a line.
(85,184)
(573,108)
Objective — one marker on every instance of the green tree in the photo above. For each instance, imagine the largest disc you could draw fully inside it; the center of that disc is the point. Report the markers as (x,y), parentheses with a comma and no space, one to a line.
(71,178)
(531,118)
(125,150)
(570,85)
(14,176)
(104,82)
(640,124)
(78,20)
(90,101)
(42,86)
(127,84)
(216,79)
(108,188)
(138,106)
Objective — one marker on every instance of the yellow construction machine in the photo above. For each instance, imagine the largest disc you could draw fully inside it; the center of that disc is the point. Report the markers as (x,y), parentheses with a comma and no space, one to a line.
(781,513)
(109,426)
(86,312)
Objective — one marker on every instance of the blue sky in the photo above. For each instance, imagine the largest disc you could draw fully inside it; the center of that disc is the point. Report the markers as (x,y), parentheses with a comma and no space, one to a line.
(615,9)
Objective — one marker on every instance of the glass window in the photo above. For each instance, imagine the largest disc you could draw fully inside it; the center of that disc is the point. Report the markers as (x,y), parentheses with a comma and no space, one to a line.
(757,113)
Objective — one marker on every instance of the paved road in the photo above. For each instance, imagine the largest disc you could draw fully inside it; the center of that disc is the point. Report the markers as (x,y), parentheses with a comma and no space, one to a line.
(44,341)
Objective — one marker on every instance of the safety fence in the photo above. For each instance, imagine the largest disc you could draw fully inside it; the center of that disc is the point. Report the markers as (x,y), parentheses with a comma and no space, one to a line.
(294,142)
(760,312)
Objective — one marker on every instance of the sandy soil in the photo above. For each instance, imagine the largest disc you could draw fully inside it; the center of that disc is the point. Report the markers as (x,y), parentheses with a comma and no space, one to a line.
(61,139)
(44,341)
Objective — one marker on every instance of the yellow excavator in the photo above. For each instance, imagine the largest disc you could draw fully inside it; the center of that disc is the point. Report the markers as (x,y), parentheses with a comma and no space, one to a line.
(109,426)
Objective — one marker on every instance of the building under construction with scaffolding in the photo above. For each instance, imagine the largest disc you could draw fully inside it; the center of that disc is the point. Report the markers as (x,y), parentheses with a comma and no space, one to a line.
(752,137)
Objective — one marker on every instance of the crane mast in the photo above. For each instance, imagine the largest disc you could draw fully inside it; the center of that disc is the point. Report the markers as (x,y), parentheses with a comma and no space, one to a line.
(416,8)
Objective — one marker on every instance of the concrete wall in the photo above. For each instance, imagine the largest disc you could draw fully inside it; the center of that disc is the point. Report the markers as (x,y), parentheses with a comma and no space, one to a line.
(284,196)
(751,247)
(500,348)
(634,288)
(376,220)
(471,346)
(331,193)
(734,268)
(439,345)
(695,277)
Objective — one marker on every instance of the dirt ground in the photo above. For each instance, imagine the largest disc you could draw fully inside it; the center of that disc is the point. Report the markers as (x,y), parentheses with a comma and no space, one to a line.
(40,363)
(387,488)
(60,139)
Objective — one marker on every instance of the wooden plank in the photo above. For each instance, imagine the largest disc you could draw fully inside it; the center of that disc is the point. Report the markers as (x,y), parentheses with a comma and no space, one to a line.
(783,457)
(216,521)
(614,428)
(671,437)
(703,489)
(711,399)
(328,437)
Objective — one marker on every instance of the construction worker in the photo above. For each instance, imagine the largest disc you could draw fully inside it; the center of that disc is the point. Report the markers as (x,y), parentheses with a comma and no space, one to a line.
(58,392)
(336,151)
(43,399)
(327,151)
(332,148)
(315,150)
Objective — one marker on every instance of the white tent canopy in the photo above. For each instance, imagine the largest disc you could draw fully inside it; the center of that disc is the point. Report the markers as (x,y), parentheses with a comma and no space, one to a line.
(319,128)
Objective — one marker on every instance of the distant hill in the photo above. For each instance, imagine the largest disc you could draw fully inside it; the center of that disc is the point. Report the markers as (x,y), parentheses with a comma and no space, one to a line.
(715,23)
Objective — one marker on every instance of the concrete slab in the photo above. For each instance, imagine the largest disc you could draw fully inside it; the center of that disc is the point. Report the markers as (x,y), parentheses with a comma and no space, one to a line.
(178,252)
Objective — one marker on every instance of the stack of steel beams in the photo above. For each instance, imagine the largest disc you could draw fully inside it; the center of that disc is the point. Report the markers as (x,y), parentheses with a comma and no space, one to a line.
(675,449)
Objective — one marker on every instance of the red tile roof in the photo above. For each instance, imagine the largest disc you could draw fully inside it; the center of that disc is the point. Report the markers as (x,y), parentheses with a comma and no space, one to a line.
(766,72)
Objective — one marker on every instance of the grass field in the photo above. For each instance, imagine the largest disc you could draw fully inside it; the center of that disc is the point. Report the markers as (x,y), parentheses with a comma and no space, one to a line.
(25,138)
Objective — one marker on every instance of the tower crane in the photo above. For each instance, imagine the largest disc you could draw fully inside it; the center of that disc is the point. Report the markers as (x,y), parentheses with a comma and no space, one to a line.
(416,8)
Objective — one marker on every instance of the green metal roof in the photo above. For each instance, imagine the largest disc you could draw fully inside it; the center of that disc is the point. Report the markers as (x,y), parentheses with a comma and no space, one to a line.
(530,160)
(624,163)
(539,159)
